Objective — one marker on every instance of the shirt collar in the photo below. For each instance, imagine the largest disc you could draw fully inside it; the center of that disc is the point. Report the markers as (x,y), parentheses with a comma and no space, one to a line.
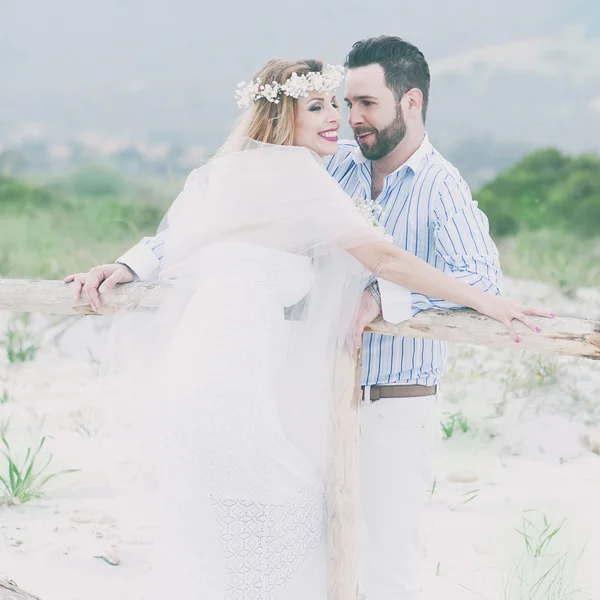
(413,162)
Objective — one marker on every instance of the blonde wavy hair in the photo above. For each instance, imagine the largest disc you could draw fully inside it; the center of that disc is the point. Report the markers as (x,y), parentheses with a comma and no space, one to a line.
(272,123)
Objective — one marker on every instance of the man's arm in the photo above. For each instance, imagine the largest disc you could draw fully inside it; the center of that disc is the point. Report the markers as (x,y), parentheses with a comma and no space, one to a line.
(144,258)
(141,263)
(461,239)
(394,301)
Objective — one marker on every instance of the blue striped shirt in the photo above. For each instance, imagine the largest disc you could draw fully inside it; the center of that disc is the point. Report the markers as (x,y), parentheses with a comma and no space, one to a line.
(428,210)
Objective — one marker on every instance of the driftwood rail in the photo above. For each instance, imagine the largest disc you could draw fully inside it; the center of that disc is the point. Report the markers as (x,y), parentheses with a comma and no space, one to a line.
(8,591)
(568,336)
(572,337)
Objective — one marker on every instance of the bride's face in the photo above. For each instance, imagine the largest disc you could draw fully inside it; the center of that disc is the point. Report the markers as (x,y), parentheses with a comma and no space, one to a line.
(317,122)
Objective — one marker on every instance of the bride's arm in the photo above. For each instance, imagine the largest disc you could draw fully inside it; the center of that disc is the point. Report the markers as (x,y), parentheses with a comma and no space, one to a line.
(403,268)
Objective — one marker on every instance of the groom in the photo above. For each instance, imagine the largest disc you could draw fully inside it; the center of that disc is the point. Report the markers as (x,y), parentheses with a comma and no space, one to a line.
(428,210)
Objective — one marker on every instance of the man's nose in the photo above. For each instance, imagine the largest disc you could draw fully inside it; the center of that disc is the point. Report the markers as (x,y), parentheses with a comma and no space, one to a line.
(355,117)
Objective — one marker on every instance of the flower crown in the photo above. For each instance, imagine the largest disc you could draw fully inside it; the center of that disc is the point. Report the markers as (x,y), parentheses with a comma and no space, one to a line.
(296,86)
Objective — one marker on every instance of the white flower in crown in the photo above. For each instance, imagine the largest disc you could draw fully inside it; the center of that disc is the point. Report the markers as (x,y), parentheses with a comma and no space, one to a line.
(295,87)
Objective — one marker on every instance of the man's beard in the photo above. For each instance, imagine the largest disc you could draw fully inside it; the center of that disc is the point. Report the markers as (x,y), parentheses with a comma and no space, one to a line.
(386,139)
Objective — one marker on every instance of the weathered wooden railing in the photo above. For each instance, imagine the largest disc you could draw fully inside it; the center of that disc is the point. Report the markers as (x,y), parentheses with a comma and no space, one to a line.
(572,337)
(568,336)
(10,591)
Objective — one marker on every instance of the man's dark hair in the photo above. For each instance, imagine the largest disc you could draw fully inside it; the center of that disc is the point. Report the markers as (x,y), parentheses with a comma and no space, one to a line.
(404,65)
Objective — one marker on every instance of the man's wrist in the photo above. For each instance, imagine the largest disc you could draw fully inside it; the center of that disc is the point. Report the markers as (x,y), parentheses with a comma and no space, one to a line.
(142,261)
(135,275)
(374,291)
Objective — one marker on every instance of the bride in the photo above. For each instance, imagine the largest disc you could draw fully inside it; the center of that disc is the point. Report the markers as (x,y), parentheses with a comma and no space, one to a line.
(265,262)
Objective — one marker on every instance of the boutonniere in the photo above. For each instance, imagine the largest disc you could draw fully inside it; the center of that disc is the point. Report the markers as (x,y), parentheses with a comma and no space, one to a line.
(370,212)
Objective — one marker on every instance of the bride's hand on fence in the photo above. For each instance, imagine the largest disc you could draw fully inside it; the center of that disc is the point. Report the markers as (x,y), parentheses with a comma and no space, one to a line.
(97,281)
(506,311)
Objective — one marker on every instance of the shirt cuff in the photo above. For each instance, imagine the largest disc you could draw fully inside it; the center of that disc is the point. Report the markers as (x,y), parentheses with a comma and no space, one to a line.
(136,277)
(142,261)
(373,288)
(396,302)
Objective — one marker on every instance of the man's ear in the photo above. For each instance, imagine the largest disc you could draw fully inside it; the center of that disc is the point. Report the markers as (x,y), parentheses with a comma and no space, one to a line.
(413,101)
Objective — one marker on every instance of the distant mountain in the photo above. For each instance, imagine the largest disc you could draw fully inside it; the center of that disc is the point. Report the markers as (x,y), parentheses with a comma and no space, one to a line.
(543,90)
(524,72)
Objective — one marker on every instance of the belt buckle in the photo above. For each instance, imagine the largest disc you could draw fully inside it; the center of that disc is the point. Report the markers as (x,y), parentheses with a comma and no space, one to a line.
(374,393)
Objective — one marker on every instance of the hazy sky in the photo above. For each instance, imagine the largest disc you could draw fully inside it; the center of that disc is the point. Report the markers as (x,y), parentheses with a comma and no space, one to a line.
(45,43)
(146,67)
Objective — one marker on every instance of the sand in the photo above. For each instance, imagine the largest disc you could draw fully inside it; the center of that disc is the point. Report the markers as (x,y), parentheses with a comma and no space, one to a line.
(530,451)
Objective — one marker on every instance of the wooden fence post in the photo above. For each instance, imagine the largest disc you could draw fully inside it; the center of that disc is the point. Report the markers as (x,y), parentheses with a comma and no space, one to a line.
(344,480)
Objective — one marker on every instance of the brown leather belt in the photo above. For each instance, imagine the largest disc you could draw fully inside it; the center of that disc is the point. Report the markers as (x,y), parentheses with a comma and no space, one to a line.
(400,391)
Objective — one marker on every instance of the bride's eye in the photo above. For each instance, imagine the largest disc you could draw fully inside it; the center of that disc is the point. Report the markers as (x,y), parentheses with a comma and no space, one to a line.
(314,108)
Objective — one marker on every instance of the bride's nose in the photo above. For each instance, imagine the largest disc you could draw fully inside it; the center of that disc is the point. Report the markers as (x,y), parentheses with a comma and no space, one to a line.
(333,116)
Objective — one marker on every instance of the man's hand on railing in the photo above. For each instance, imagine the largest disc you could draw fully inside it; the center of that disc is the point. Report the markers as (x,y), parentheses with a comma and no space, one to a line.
(97,281)
(369,310)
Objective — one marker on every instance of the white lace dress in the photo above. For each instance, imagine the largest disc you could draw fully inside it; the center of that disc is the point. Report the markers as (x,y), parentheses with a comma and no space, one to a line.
(244,506)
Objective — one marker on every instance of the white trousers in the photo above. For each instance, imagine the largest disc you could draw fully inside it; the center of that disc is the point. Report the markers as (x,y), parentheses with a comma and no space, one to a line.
(398,438)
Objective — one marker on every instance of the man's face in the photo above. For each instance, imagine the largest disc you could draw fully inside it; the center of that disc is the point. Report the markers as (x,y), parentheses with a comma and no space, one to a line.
(375,115)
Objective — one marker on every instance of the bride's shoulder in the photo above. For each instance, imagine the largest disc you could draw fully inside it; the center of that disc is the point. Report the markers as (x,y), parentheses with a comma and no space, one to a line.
(299,158)
(264,161)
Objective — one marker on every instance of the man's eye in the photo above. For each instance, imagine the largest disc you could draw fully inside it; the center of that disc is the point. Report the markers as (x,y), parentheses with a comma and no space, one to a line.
(367,102)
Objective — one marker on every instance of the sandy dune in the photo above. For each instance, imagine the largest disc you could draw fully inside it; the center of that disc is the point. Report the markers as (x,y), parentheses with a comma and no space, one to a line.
(526,419)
